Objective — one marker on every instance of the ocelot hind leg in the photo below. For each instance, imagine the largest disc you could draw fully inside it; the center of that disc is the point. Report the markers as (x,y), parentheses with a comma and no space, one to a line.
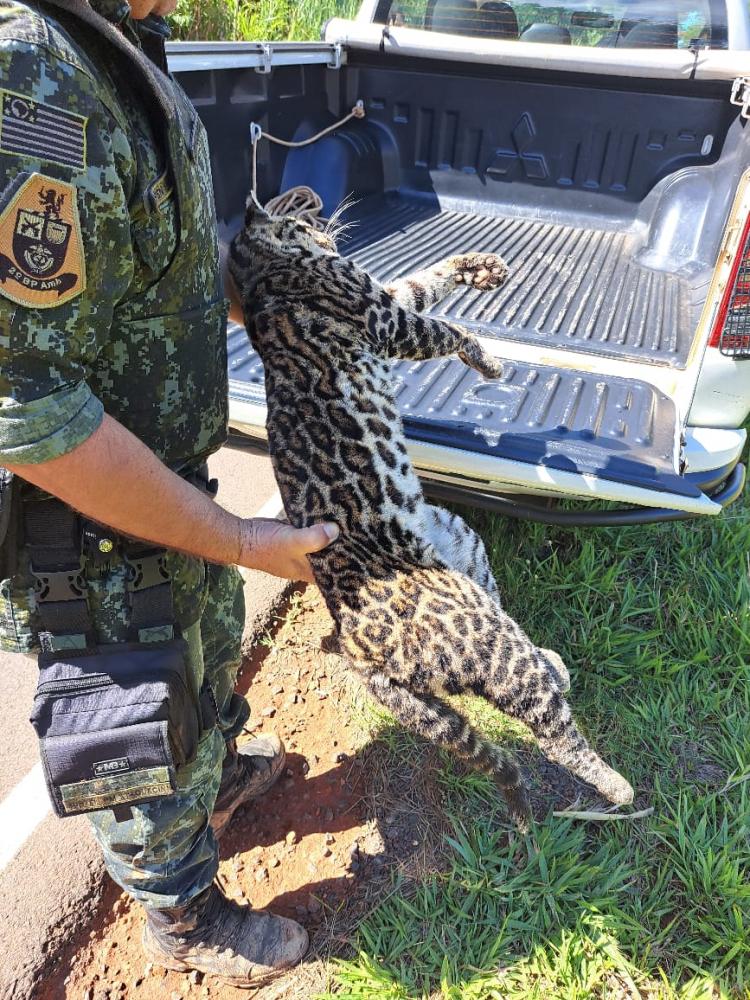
(523,686)
(557,669)
(463,550)
(460,547)
(422,289)
(429,716)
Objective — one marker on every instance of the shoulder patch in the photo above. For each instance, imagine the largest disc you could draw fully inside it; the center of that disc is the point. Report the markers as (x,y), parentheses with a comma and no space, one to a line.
(40,131)
(41,250)
(158,192)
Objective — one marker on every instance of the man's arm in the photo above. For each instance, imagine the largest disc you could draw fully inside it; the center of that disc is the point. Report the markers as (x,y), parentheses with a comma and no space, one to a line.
(113,478)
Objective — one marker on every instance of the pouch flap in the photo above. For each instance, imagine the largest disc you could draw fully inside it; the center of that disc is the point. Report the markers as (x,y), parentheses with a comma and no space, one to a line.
(100,709)
(124,662)
(106,753)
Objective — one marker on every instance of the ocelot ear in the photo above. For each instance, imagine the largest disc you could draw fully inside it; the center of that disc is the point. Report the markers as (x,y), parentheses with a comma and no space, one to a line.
(255,214)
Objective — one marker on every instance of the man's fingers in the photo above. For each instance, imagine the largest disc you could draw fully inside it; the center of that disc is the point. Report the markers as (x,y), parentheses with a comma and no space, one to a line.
(278,548)
(316,537)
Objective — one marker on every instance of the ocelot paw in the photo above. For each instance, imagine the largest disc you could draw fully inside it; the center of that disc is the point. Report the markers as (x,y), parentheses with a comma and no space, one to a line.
(519,807)
(483,271)
(474,356)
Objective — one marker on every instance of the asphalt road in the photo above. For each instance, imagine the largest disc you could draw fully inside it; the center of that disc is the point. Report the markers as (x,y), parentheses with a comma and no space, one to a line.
(51,874)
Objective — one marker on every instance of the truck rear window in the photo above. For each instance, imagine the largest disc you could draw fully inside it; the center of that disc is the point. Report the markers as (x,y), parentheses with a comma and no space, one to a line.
(651,24)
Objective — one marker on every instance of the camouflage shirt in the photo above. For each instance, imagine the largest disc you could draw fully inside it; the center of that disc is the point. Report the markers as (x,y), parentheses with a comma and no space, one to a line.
(110,296)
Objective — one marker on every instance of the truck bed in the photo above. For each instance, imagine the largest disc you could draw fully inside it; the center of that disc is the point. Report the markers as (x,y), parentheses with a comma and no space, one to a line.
(570,287)
(607,196)
(575,288)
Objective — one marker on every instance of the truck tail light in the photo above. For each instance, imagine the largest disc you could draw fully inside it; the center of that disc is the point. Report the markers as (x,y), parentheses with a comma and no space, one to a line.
(731,332)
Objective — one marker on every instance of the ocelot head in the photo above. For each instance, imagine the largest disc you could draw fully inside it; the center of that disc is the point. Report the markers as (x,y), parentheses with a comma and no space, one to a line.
(286,234)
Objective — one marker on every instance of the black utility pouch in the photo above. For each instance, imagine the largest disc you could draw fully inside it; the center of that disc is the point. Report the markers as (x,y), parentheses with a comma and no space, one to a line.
(114,721)
(114,724)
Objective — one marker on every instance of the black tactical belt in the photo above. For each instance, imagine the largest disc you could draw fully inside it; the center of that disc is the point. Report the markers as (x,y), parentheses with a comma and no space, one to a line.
(53,537)
(58,539)
(6,493)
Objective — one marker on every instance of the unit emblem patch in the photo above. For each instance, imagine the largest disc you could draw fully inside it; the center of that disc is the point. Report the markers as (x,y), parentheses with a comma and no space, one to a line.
(41,251)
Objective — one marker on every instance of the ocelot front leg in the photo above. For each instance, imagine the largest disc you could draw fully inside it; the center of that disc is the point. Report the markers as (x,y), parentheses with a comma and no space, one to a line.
(429,716)
(461,548)
(395,332)
(422,289)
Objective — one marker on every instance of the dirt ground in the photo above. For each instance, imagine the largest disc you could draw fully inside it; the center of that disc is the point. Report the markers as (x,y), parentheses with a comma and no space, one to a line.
(316,847)
(321,847)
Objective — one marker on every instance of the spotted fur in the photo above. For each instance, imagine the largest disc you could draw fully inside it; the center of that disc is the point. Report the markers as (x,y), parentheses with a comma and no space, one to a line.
(409,586)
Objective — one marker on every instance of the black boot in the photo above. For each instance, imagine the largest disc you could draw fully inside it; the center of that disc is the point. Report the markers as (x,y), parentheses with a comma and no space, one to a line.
(211,934)
(249,771)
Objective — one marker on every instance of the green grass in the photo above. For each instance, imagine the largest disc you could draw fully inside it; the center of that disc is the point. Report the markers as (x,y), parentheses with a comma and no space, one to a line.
(655,625)
(257,20)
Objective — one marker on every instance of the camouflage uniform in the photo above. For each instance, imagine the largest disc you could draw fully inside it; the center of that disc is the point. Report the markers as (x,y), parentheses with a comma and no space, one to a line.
(140,335)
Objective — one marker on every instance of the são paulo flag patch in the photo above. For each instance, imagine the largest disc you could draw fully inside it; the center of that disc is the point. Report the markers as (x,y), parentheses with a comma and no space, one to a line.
(39,131)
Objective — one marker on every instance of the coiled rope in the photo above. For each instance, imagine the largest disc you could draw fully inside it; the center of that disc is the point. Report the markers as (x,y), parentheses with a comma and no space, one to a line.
(300,201)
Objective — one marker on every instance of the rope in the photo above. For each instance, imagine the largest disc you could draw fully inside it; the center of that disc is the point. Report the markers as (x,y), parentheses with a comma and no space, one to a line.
(301,200)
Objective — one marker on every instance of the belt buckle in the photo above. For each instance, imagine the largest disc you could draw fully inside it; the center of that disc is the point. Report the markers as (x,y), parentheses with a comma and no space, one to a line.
(147,570)
(60,585)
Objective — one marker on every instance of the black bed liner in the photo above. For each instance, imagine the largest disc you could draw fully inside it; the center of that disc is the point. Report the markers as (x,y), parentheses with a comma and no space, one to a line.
(574,288)
(607,195)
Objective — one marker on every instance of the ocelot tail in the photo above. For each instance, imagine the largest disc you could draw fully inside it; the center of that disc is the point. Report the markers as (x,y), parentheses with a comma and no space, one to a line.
(409,587)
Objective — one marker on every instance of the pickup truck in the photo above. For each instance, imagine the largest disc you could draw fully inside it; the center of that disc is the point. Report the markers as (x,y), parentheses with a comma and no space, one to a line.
(603,149)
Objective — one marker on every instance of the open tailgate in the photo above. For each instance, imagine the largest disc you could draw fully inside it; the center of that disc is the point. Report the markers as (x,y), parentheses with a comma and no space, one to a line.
(538,429)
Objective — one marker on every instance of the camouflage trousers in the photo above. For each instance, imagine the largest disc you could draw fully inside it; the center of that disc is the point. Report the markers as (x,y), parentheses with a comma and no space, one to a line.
(166,853)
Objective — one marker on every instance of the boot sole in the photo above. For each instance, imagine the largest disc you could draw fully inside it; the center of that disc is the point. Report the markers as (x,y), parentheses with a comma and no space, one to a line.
(176,965)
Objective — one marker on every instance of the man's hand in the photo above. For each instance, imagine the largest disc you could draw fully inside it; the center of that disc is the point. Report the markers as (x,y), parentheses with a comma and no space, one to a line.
(113,478)
(230,289)
(282,550)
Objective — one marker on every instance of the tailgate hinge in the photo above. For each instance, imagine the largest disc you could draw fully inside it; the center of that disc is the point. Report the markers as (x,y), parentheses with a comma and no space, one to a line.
(266,55)
(741,95)
(336,56)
